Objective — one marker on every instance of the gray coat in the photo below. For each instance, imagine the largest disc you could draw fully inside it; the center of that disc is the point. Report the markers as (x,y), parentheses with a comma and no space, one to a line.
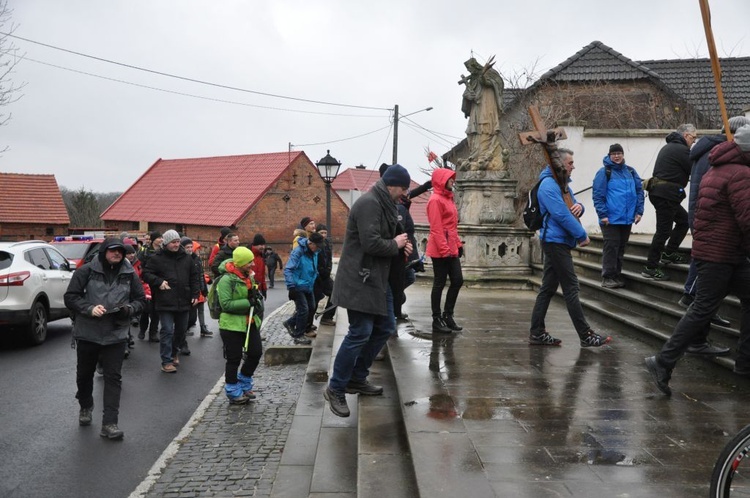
(368,245)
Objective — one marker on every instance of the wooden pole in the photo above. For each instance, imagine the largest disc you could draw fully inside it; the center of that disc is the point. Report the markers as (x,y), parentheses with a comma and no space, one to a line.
(715,66)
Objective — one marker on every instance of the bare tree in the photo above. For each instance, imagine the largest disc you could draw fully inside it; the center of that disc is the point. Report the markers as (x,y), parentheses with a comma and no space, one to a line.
(85,206)
(9,58)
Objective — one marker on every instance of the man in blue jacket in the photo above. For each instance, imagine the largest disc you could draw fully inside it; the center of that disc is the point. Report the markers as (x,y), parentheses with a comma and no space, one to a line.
(561,231)
(618,200)
(300,273)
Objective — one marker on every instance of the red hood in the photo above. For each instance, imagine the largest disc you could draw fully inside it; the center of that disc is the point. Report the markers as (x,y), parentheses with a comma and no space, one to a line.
(440,177)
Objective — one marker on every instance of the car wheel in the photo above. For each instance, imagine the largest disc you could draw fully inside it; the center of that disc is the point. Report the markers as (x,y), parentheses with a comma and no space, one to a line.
(36,331)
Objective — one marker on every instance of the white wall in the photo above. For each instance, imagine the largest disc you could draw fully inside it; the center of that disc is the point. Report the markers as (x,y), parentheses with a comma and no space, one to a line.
(590,147)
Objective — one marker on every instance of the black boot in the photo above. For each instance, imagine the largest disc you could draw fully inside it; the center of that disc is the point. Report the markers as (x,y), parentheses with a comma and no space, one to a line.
(439,326)
(448,320)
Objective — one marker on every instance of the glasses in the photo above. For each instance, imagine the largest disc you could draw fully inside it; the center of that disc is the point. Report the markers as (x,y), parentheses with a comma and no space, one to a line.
(617,154)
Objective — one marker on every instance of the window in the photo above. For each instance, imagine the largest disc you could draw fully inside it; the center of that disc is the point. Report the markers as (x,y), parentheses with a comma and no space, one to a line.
(58,261)
(38,258)
(49,231)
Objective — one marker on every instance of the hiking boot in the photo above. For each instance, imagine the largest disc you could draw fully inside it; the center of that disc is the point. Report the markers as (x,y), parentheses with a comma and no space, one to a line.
(439,326)
(190,333)
(235,394)
(610,283)
(111,431)
(659,374)
(311,333)
(620,282)
(289,328)
(720,320)
(337,401)
(363,387)
(654,273)
(450,322)
(84,416)
(707,349)
(686,300)
(302,340)
(330,322)
(206,333)
(185,350)
(169,368)
(673,257)
(176,359)
(246,384)
(544,339)
(594,340)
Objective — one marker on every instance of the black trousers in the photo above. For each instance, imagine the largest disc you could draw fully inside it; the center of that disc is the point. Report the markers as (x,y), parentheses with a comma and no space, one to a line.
(615,240)
(110,357)
(443,269)
(150,319)
(233,343)
(671,228)
(715,281)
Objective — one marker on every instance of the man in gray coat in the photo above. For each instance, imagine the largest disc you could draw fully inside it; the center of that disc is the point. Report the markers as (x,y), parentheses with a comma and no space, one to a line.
(372,238)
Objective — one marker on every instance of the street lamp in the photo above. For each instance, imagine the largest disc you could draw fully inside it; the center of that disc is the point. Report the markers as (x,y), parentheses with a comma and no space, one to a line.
(328,167)
(395,129)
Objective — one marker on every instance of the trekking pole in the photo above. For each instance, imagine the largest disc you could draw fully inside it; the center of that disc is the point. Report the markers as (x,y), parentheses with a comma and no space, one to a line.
(247,332)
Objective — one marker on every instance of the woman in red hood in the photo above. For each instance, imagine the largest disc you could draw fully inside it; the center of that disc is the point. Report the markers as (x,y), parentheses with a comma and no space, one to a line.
(445,249)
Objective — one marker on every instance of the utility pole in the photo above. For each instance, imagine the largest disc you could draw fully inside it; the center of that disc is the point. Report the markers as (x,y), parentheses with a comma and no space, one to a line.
(395,134)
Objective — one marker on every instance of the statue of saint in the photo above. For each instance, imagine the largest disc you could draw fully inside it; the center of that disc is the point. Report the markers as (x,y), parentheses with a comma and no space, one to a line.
(482,104)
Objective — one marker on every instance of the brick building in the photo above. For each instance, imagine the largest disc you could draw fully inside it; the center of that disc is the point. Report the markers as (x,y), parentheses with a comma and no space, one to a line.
(31,207)
(258,193)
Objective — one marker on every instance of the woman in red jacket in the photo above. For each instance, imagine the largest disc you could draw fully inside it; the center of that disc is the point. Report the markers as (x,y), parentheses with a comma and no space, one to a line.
(444,248)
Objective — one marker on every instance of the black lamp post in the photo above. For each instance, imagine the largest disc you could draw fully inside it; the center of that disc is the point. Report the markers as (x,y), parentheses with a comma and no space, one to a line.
(328,167)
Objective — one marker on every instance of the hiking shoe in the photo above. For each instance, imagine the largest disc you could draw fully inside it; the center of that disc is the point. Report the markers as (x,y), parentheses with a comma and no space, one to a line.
(720,320)
(544,339)
(84,416)
(450,322)
(620,282)
(330,322)
(141,335)
(337,401)
(169,368)
(654,273)
(302,340)
(206,333)
(190,333)
(610,283)
(289,328)
(240,400)
(111,431)
(439,326)
(594,340)
(673,257)
(686,300)
(185,350)
(176,360)
(363,387)
(311,333)
(659,374)
(707,349)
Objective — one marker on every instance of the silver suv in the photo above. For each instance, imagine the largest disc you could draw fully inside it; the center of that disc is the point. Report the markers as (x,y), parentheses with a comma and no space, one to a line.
(33,279)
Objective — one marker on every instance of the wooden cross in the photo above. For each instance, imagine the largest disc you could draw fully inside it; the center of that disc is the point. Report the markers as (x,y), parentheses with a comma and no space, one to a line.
(548,140)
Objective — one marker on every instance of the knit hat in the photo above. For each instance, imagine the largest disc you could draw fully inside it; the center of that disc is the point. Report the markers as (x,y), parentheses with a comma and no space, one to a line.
(616,148)
(258,240)
(154,235)
(382,169)
(316,238)
(185,241)
(321,227)
(742,138)
(396,176)
(242,256)
(304,221)
(225,231)
(735,123)
(129,249)
(169,236)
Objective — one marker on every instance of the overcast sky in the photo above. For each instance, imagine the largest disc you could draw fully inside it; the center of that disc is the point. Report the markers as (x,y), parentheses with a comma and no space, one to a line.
(103,134)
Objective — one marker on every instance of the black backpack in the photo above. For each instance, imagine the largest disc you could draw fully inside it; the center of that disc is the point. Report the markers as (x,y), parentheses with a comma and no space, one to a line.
(532,212)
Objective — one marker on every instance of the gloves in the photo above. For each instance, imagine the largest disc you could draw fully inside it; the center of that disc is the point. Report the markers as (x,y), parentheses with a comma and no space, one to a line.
(293,293)
(124,312)
(461,252)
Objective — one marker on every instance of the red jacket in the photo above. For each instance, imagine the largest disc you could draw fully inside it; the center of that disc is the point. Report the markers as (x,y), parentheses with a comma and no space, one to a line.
(259,267)
(139,271)
(443,217)
(721,231)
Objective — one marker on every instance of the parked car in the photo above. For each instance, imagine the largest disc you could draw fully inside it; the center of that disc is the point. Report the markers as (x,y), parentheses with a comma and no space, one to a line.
(79,249)
(33,279)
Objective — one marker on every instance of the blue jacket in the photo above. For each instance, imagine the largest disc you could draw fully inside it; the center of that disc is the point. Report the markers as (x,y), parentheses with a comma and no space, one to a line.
(560,226)
(621,198)
(301,270)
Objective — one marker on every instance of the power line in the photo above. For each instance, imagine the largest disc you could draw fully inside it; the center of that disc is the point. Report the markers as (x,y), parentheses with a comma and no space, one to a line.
(196,96)
(383,147)
(344,139)
(192,80)
(431,131)
(415,130)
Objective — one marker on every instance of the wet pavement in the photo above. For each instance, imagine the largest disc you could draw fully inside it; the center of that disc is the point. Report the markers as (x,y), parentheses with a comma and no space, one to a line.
(488,415)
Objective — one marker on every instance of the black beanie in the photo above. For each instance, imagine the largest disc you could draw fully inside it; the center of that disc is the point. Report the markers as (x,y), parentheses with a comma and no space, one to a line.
(185,241)
(616,148)
(396,176)
(225,231)
(258,240)
(321,227)
(382,169)
(304,221)
(154,235)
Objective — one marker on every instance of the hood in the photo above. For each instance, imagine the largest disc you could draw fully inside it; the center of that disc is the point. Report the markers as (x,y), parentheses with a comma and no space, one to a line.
(728,153)
(705,144)
(111,243)
(440,177)
(609,163)
(675,137)
(302,241)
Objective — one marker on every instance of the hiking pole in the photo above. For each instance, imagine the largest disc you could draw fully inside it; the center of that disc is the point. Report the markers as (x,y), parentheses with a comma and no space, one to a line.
(247,332)
(331,307)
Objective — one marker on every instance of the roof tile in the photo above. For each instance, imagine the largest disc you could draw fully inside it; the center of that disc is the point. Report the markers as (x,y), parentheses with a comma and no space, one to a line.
(31,199)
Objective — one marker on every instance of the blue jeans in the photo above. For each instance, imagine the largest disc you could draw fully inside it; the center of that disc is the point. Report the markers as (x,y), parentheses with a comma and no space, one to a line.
(174,325)
(304,302)
(367,335)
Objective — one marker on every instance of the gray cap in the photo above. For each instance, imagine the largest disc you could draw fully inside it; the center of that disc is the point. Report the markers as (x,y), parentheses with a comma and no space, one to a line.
(742,138)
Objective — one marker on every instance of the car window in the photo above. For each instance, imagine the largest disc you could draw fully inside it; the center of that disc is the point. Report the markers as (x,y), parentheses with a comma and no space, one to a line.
(38,258)
(72,251)
(58,260)
(6,259)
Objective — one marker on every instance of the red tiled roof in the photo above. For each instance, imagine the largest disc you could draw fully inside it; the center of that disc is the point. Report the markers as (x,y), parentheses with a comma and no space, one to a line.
(364,179)
(31,199)
(196,192)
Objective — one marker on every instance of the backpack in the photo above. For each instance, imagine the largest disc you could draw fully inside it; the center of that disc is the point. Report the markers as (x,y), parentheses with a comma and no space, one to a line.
(532,212)
(214,306)
(608,173)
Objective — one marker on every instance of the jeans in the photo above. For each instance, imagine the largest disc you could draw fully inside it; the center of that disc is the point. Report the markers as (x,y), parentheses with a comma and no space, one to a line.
(110,357)
(558,270)
(444,268)
(233,343)
(367,335)
(304,302)
(715,281)
(667,213)
(173,329)
(615,240)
